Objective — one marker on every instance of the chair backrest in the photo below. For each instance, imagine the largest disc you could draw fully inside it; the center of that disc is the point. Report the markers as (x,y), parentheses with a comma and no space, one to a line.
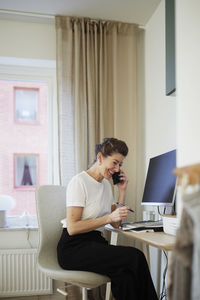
(51,209)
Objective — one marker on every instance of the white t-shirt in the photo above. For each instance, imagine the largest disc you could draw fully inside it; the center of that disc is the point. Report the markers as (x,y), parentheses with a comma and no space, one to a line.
(96,197)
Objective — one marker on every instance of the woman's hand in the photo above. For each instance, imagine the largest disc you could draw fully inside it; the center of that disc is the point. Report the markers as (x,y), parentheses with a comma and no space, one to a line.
(119,214)
(122,185)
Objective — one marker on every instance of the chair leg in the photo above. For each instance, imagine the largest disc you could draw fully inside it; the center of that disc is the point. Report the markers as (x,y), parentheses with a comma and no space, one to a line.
(108,290)
(84,293)
(63,290)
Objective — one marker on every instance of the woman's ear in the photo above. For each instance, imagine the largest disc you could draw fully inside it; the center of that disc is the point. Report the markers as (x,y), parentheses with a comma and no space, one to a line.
(99,158)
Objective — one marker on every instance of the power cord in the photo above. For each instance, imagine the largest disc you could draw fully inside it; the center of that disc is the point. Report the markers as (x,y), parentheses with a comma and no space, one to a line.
(158,208)
(28,237)
(163,293)
(164,210)
(173,209)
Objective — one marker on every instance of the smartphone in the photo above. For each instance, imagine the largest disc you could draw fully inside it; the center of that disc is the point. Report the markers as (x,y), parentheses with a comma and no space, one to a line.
(116,178)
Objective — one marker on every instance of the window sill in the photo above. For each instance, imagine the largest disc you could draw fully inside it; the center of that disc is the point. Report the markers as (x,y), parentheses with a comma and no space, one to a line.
(18,228)
(20,223)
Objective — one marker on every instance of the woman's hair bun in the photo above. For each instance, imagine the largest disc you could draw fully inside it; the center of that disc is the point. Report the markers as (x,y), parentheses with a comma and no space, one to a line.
(109,146)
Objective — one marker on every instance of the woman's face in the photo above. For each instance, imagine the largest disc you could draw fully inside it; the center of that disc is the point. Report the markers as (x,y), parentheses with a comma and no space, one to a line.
(110,164)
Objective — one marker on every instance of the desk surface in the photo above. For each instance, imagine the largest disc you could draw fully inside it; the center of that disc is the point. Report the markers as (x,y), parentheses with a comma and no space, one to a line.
(159,240)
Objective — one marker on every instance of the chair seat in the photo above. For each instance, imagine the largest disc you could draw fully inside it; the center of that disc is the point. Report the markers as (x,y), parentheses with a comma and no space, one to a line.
(80,278)
(48,263)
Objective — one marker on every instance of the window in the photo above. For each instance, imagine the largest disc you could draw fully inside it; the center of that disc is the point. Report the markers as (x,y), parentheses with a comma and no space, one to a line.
(26,171)
(28,130)
(26,104)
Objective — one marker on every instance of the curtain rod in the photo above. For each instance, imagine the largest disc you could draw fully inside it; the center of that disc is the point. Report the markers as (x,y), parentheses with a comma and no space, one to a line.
(25,15)
(13,14)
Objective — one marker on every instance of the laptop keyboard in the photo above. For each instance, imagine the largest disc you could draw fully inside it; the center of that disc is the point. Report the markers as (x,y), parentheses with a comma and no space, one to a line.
(149,223)
(142,225)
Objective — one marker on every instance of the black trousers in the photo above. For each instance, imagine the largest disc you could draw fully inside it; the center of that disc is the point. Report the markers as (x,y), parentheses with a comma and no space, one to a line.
(126,266)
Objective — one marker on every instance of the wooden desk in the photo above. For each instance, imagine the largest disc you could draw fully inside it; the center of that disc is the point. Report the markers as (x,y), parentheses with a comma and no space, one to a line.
(159,240)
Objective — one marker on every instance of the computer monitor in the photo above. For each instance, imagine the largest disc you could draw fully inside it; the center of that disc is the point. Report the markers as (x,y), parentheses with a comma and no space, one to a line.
(160,185)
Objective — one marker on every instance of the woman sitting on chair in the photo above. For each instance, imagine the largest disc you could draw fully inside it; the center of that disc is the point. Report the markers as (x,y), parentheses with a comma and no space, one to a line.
(89,208)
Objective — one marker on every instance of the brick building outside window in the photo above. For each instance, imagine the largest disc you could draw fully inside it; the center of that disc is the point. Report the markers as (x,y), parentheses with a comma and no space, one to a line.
(24,142)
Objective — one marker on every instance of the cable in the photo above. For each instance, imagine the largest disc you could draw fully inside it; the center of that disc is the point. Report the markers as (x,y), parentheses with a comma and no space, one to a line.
(163,293)
(158,207)
(164,210)
(28,237)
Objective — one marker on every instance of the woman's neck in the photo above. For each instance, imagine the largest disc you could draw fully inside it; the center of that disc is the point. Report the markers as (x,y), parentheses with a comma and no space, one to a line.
(95,173)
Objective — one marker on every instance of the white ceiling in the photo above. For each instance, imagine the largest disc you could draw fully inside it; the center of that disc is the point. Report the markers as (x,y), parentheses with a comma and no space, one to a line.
(131,11)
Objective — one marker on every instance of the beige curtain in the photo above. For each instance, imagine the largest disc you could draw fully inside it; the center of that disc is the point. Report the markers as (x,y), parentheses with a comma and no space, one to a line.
(96,73)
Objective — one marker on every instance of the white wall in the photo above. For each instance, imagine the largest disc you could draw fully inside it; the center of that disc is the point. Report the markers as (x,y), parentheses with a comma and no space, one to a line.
(27,39)
(156,112)
(160,110)
(188,81)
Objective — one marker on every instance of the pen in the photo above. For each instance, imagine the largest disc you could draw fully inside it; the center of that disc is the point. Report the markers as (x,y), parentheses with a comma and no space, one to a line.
(120,204)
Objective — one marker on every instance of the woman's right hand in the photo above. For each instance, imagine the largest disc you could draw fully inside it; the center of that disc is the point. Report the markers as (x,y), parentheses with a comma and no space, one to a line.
(119,214)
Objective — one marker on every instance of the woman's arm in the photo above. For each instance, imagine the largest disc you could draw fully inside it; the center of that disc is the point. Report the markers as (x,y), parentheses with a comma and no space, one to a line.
(75,225)
(121,198)
(122,187)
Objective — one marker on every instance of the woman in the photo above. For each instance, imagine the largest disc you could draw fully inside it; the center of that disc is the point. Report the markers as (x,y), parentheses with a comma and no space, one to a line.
(89,208)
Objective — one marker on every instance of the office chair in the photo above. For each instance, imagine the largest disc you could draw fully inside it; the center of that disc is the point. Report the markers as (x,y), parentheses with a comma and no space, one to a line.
(51,209)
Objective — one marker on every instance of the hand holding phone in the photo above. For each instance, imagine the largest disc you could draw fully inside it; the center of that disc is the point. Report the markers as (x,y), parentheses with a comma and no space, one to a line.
(116,178)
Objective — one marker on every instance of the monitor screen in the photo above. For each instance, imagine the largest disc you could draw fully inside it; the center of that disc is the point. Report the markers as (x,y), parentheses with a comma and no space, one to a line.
(160,185)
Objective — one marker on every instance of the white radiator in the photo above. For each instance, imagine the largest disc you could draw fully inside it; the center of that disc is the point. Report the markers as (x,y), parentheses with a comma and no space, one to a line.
(19,274)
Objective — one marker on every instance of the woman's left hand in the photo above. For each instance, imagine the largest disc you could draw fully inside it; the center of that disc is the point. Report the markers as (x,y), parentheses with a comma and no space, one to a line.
(122,185)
